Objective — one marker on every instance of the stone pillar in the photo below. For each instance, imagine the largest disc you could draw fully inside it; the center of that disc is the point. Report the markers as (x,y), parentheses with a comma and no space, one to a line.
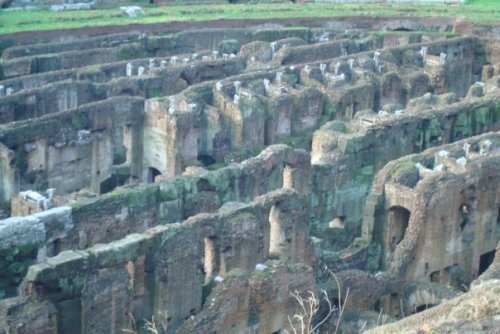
(442,58)
(129,69)
(211,259)
(132,139)
(178,285)
(276,232)
(105,302)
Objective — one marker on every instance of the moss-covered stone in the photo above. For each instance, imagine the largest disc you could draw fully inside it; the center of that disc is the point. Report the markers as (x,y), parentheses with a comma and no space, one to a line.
(14,264)
(229,46)
(329,110)
(80,121)
(130,52)
(45,63)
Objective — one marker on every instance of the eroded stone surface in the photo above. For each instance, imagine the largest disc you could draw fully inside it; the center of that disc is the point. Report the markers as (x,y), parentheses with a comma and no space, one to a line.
(131,164)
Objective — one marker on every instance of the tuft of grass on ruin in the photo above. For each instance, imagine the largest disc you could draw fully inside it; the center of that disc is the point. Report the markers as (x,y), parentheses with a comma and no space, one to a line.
(479,11)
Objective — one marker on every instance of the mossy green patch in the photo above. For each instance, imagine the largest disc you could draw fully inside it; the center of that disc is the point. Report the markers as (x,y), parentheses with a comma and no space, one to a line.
(128,52)
(229,46)
(143,196)
(21,161)
(4,44)
(217,165)
(14,264)
(374,253)
(329,110)
(80,121)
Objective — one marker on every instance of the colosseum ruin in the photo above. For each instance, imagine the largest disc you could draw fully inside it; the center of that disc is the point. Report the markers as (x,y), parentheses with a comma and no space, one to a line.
(198,176)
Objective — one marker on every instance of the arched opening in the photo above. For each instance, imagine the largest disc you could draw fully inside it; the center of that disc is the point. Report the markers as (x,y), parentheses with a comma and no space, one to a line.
(56,245)
(338,222)
(435,276)
(394,305)
(337,303)
(276,232)
(206,159)
(398,223)
(485,261)
(423,307)
(210,265)
(112,182)
(126,92)
(464,211)
(288,177)
(130,267)
(152,174)
(107,185)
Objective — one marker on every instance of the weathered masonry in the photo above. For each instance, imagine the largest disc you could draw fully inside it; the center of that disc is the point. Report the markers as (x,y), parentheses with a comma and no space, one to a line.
(198,177)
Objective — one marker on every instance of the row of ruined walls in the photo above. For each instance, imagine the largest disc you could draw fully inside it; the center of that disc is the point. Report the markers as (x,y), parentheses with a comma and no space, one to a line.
(254,110)
(313,106)
(167,269)
(29,168)
(346,157)
(54,314)
(41,58)
(134,210)
(82,237)
(447,221)
(102,72)
(92,139)
(79,85)
(75,92)
(115,70)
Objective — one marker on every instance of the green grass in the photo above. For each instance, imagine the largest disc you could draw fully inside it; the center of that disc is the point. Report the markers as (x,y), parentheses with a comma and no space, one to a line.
(479,11)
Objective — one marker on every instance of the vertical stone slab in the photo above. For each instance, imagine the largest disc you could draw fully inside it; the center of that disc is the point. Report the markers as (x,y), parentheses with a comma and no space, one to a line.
(179,279)
(106,301)
(69,316)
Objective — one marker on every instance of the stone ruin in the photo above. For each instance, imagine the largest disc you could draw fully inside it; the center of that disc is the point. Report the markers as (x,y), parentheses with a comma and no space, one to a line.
(199,177)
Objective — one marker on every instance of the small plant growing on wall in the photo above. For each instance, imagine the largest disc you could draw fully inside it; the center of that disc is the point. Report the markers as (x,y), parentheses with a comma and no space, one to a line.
(153,326)
(306,320)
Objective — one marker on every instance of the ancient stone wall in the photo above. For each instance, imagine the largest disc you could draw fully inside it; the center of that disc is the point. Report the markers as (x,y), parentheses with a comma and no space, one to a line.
(474,310)
(202,236)
(83,138)
(357,150)
(122,212)
(458,206)
(137,274)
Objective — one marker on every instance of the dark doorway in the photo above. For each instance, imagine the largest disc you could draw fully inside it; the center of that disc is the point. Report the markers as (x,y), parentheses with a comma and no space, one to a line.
(206,159)
(112,182)
(152,174)
(402,29)
(398,223)
(435,276)
(498,223)
(485,260)
(423,307)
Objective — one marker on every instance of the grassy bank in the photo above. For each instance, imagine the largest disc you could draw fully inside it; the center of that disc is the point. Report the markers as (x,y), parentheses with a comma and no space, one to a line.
(478,11)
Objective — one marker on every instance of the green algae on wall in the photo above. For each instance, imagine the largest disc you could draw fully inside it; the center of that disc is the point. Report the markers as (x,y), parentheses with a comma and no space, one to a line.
(14,264)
